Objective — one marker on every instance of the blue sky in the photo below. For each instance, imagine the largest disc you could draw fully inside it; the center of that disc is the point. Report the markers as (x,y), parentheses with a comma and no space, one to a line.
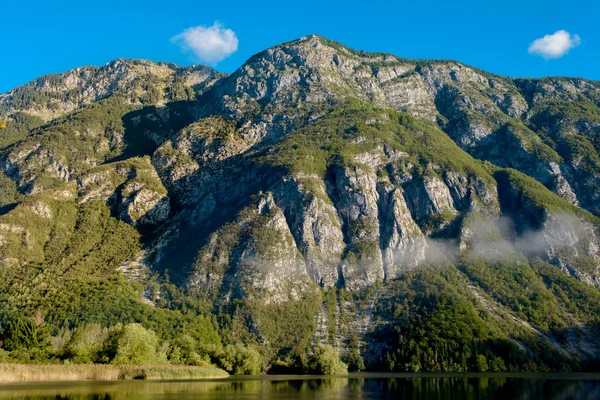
(43,37)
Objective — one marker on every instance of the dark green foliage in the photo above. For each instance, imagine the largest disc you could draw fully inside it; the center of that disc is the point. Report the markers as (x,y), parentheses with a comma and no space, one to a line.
(515,285)
(441,331)
(286,327)
(576,297)
(17,128)
(25,333)
(436,325)
(281,330)
(177,90)
(8,192)
(354,360)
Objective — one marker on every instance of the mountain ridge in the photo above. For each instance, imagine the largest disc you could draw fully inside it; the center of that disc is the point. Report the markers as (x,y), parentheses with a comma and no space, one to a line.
(313,184)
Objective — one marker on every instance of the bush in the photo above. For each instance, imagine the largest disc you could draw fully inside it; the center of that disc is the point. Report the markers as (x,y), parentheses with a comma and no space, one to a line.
(86,343)
(497,365)
(481,363)
(241,360)
(326,361)
(138,346)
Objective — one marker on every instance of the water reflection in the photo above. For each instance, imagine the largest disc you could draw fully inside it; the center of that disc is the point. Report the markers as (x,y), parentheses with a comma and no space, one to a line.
(359,386)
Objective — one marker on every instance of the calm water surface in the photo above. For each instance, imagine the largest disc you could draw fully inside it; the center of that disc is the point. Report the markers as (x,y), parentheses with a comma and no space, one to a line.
(356,386)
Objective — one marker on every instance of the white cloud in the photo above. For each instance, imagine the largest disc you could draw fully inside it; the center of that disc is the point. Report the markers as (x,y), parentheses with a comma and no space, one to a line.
(554,46)
(210,44)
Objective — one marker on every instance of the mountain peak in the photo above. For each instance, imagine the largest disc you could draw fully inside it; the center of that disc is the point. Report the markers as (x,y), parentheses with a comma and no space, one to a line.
(313,68)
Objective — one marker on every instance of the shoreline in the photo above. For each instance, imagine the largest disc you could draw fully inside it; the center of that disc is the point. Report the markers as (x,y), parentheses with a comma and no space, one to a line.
(56,373)
(12,373)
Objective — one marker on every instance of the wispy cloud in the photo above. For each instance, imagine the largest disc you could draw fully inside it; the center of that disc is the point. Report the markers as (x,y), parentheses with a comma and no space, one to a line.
(554,46)
(210,44)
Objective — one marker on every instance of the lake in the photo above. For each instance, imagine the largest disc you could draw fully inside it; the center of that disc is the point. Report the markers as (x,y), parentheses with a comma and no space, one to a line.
(355,386)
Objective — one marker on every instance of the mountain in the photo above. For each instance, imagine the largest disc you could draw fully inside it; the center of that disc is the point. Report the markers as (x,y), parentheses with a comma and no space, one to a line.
(415,215)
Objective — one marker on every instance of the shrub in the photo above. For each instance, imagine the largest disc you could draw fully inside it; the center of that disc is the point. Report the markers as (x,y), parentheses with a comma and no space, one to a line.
(86,343)
(241,360)
(326,361)
(139,346)
(187,351)
(497,365)
(481,363)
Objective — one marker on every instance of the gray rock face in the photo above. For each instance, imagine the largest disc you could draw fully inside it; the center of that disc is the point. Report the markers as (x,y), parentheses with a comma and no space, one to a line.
(404,245)
(428,197)
(194,163)
(315,225)
(255,258)
(354,227)
(143,206)
(355,196)
(572,244)
(24,164)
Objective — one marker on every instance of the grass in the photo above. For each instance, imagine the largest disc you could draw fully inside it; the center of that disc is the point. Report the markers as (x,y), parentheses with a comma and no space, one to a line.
(79,372)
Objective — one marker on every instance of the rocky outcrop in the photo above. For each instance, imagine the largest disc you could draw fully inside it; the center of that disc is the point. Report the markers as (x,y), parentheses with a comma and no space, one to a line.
(253,258)
(52,96)
(194,163)
(403,244)
(572,244)
(131,187)
(141,206)
(566,236)
(315,225)
(354,193)
(427,197)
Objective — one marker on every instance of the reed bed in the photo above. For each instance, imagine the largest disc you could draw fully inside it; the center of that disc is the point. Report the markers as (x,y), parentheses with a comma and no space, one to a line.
(80,372)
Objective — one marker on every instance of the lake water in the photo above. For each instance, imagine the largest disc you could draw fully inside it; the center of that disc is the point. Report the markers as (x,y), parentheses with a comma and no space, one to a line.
(356,386)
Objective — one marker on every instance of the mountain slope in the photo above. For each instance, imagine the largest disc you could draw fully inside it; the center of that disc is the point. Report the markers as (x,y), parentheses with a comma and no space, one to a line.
(402,211)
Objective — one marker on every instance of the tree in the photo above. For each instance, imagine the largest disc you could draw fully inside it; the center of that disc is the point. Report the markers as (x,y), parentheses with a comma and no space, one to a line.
(26,333)
(241,360)
(86,343)
(139,346)
(481,363)
(326,361)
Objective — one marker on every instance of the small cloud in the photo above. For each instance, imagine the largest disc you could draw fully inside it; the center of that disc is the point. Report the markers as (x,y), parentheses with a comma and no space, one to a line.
(554,46)
(210,44)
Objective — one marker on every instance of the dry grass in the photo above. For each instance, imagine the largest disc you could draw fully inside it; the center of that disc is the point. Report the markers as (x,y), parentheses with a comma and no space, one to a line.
(79,372)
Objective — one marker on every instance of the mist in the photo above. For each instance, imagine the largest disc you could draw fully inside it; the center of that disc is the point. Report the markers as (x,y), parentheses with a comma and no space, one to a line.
(498,239)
